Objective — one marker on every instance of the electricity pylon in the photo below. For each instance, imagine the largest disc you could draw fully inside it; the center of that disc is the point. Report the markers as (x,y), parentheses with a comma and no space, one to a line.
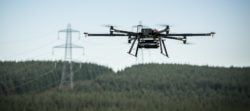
(67,77)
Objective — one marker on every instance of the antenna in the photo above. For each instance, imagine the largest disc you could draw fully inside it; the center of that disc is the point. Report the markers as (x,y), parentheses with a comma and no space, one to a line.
(139,26)
(67,76)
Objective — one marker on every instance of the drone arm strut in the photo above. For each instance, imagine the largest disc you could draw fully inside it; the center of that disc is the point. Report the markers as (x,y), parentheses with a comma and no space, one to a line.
(192,34)
(170,37)
(87,34)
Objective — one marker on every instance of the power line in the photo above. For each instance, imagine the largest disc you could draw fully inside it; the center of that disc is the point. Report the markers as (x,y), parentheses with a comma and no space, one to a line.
(32,50)
(29,40)
(38,78)
(51,84)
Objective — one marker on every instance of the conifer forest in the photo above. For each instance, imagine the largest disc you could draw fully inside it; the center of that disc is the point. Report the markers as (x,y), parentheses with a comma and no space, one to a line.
(33,86)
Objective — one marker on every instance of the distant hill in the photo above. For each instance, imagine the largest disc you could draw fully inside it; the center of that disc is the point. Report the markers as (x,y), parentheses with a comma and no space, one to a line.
(38,76)
(32,86)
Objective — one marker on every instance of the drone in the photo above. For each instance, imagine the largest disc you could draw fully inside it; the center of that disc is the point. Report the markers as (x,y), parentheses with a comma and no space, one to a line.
(149,38)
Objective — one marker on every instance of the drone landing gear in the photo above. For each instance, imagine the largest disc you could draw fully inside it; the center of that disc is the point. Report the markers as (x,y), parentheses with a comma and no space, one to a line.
(137,47)
(162,47)
(129,52)
(162,43)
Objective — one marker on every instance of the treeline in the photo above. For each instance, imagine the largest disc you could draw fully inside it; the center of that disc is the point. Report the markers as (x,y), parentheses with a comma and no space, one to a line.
(145,87)
(37,76)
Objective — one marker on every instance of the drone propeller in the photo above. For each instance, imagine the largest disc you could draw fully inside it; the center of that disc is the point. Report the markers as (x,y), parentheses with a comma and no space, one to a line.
(185,41)
(190,43)
(164,25)
(212,34)
(139,27)
(108,25)
(111,27)
(166,29)
(85,34)
(144,26)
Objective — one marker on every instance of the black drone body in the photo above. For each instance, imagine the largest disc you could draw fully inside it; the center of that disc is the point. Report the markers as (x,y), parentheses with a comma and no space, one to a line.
(150,38)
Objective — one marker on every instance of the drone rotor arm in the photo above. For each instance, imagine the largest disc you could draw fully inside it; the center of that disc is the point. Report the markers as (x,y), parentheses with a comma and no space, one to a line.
(192,34)
(91,34)
(171,37)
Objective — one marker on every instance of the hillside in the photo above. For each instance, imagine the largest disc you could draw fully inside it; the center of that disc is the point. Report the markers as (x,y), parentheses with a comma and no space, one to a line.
(33,85)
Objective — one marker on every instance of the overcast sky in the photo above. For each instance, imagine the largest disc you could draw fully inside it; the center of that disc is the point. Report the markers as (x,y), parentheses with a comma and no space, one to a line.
(29,30)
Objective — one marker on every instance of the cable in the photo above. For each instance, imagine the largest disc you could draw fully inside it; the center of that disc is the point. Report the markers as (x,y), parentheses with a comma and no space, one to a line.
(35,49)
(46,54)
(32,50)
(30,39)
(53,83)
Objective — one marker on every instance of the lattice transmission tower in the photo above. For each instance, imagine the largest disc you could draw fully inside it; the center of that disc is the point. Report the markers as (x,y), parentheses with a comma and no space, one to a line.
(67,76)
